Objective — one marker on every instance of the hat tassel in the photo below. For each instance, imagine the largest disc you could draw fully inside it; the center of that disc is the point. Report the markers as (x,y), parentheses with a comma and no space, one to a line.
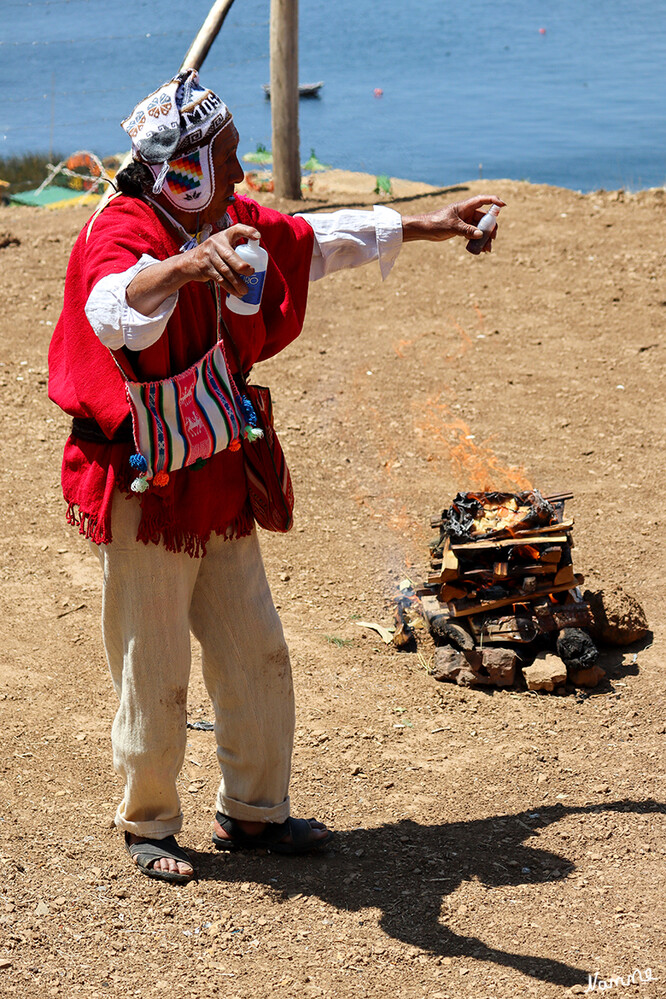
(161,177)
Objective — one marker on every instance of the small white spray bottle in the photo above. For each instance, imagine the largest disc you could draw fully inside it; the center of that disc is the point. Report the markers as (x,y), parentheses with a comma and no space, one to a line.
(254,254)
(486,225)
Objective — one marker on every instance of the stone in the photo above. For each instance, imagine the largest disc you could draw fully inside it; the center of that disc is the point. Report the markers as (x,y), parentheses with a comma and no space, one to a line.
(461,667)
(7,239)
(447,663)
(617,617)
(493,665)
(546,672)
(588,677)
(500,663)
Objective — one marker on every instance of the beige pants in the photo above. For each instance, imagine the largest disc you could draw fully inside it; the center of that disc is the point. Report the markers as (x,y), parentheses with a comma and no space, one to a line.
(151,600)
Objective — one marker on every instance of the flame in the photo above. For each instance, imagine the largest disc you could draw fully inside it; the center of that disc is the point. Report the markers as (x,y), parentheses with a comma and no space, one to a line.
(398,520)
(447,437)
(476,465)
(464,344)
(480,316)
(401,346)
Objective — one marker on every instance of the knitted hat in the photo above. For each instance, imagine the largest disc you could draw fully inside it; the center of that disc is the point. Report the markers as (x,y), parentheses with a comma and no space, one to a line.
(171,131)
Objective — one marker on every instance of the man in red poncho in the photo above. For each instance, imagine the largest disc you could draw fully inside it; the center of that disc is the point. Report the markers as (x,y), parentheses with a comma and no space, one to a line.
(183,555)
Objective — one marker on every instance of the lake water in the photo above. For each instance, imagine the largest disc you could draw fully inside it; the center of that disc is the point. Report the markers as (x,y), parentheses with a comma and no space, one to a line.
(567,93)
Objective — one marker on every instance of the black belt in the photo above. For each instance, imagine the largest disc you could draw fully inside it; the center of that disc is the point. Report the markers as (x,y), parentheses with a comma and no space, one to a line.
(90,430)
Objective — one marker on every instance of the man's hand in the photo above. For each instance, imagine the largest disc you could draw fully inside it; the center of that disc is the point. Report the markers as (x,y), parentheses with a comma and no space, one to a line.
(216,260)
(213,260)
(458,219)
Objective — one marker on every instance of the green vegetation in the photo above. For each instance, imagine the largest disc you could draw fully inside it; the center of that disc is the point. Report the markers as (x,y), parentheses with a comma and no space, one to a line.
(29,170)
(338,641)
(383,185)
(313,164)
(262,156)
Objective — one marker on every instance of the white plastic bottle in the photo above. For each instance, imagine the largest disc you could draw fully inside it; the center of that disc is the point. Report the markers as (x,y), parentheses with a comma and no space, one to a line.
(254,254)
(486,225)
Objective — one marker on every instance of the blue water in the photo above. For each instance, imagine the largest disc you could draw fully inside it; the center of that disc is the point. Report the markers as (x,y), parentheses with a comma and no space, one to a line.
(469,88)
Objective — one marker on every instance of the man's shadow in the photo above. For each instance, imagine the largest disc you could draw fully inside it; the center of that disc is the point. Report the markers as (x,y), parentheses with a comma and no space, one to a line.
(407,870)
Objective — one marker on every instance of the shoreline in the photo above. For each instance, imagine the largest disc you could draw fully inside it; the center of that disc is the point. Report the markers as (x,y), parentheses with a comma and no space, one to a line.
(339,181)
(342,188)
(335,173)
(334,181)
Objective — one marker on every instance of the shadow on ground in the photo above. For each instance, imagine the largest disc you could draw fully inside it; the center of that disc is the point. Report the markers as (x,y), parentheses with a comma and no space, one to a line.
(407,870)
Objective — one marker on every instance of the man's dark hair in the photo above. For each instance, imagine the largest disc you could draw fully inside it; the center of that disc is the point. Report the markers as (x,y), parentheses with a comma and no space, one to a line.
(135,180)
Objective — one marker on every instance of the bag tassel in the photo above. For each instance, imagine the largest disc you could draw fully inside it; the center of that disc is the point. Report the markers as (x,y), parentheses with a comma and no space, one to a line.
(139,464)
(251,432)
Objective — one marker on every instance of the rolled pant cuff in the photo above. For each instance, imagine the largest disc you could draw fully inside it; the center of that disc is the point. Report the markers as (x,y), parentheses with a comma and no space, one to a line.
(154,829)
(253,813)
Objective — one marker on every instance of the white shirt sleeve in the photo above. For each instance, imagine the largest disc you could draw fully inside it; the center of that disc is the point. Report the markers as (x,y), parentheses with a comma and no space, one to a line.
(351,237)
(115,323)
(342,239)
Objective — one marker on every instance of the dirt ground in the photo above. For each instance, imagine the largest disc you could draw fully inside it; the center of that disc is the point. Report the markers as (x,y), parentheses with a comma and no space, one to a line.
(491,845)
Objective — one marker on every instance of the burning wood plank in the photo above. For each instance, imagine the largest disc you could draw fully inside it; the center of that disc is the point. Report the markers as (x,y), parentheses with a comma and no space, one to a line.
(563,525)
(437,617)
(501,543)
(461,608)
(554,616)
(450,591)
(502,573)
(403,636)
(515,628)
(565,575)
(556,500)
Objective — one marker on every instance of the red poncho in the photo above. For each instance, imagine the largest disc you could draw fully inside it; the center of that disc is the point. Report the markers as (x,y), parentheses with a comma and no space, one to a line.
(84,379)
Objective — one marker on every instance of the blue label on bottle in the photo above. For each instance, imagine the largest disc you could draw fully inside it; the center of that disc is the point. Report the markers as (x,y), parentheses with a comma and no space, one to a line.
(255,286)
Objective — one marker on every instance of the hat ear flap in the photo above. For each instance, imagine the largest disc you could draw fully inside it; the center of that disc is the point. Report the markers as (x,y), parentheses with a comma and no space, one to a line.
(190,180)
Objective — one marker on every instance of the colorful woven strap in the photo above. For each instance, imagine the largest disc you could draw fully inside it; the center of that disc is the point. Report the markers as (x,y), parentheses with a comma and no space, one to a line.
(191,416)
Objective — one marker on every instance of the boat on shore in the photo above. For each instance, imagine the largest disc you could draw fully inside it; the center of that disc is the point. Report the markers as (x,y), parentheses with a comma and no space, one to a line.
(304,89)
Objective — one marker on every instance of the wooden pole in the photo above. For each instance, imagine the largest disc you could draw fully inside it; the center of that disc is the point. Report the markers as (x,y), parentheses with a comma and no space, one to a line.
(194,57)
(206,35)
(284,98)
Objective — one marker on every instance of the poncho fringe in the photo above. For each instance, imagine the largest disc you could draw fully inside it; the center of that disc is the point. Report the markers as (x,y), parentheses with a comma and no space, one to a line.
(85,382)
(92,529)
